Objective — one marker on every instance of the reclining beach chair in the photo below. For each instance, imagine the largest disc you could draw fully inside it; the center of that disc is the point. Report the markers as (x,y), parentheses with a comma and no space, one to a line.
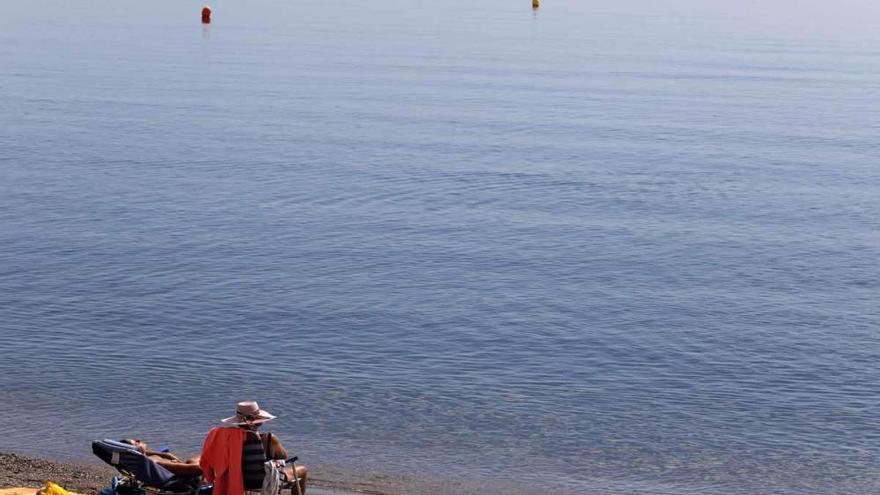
(139,473)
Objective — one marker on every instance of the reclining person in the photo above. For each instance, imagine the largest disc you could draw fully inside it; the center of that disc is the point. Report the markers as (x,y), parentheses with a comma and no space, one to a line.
(169,461)
(256,448)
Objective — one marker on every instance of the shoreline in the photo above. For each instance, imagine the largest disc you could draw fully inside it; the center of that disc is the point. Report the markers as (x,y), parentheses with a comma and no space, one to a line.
(20,470)
(87,476)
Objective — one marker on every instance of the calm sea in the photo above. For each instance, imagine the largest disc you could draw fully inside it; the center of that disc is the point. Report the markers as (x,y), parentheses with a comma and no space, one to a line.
(605,247)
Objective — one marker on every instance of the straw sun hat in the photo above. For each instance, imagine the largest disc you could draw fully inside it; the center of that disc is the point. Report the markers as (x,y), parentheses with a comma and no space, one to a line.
(249,412)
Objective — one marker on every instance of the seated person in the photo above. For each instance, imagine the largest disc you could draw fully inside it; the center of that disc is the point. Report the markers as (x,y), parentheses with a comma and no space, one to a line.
(169,461)
(258,446)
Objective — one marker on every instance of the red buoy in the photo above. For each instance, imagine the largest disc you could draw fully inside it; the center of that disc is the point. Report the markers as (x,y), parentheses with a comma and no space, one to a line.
(206,15)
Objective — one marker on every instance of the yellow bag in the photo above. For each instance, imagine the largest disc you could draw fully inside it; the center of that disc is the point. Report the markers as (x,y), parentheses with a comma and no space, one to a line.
(52,489)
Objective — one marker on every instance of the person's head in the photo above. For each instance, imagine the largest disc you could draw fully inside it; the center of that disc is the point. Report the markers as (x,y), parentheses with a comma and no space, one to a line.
(136,443)
(248,415)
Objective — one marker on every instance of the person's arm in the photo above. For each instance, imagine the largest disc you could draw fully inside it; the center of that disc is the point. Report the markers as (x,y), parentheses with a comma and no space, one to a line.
(180,468)
(276,450)
(164,455)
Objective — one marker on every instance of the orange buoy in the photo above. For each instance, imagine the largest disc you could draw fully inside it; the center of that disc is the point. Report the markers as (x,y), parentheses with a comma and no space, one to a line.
(206,15)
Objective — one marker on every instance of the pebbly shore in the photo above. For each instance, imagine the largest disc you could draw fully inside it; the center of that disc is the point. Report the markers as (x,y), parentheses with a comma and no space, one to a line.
(17,470)
(20,470)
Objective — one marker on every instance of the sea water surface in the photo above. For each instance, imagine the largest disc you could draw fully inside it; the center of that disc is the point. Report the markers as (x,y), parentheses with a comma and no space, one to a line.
(460,246)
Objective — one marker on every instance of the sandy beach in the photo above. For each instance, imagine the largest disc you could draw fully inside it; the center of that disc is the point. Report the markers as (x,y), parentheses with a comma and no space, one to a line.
(18,471)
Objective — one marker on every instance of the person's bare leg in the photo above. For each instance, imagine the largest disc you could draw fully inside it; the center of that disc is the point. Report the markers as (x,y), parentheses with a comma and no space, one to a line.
(302,473)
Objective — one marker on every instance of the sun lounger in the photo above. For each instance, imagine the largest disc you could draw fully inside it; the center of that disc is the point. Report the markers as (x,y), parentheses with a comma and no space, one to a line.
(139,472)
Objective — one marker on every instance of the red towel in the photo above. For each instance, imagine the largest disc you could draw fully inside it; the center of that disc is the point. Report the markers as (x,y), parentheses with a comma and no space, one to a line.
(221,460)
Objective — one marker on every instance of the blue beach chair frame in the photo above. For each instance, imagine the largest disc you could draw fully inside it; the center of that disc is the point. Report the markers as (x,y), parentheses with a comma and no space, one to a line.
(140,473)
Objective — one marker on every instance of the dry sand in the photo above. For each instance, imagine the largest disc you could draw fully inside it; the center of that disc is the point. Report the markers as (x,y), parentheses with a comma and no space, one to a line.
(21,471)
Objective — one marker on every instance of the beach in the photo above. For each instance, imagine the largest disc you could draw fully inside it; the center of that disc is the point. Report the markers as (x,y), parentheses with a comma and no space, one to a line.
(83,477)
(18,470)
